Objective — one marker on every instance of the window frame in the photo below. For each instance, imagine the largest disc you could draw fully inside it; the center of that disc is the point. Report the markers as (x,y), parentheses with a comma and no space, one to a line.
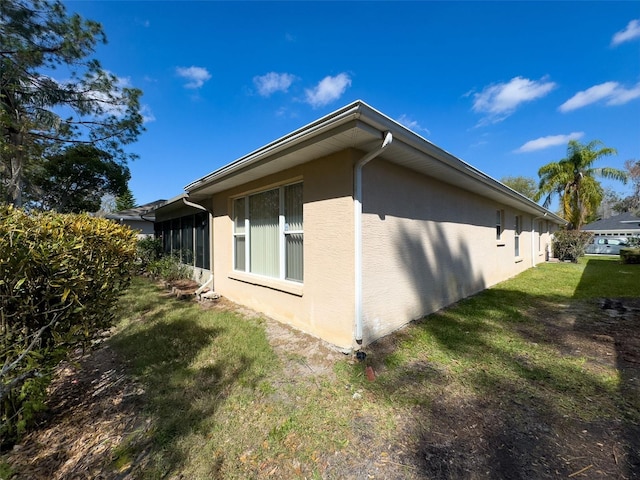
(499,226)
(517,230)
(283,233)
(540,230)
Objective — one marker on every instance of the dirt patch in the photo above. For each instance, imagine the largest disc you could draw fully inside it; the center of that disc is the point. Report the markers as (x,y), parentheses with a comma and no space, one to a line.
(93,407)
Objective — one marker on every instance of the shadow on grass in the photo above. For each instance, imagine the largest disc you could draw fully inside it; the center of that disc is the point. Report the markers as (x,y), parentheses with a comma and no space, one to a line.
(183,390)
(493,403)
(618,322)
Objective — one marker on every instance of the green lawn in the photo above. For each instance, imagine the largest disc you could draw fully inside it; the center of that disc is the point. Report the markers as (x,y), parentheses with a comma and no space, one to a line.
(514,363)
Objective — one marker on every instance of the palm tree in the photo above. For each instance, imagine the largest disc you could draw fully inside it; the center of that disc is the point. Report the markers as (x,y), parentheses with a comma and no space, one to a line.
(574,179)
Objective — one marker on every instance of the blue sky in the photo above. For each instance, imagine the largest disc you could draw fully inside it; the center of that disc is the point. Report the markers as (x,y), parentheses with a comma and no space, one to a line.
(501,85)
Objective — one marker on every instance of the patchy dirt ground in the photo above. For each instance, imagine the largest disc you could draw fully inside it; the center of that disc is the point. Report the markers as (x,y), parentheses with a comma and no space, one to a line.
(94,406)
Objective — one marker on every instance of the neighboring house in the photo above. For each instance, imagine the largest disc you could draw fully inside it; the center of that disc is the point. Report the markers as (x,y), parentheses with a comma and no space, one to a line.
(624,225)
(138,218)
(353,225)
(184,230)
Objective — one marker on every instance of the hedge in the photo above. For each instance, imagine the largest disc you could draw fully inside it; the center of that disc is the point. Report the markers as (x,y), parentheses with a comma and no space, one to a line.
(570,244)
(630,255)
(60,279)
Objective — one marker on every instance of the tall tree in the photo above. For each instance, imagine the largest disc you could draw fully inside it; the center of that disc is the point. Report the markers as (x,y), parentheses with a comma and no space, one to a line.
(574,179)
(39,113)
(631,203)
(76,180)
(125,201)
(524,185)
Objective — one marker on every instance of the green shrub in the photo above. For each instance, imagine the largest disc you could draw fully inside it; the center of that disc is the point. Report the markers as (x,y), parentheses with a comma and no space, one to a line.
(60,279)
(170,268)
(149,250)
(570,244)
(630,255)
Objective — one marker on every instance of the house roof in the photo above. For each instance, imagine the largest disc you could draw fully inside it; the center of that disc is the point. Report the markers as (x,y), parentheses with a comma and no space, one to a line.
(360,126)
(625,221)
(136,212)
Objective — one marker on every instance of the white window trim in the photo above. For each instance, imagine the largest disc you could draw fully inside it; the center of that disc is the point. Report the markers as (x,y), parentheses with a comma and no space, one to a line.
(517,230)
(500,242)
(277,283)
(540,229)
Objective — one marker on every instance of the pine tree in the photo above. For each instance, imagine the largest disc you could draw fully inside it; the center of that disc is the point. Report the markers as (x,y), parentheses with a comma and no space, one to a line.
(100,110)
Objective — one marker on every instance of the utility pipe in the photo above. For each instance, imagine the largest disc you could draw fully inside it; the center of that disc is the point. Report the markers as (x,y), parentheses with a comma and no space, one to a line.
(533,232)
(357,205)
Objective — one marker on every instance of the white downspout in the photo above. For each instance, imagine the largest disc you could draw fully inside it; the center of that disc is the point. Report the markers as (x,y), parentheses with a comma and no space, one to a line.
(357,205)
(533,234)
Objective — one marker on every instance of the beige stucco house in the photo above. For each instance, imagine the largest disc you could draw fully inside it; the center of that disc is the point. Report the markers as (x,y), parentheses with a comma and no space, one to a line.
(354,225)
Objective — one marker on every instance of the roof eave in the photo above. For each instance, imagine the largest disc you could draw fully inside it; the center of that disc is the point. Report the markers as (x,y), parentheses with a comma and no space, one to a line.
(326,123)
(367,118)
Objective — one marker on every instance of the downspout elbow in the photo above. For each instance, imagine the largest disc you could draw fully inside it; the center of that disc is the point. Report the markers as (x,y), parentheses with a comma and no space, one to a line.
(195,205)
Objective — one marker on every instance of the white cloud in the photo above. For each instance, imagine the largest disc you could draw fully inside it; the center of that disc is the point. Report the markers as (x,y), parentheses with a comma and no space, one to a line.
(612,92)
(548,141)
(632,31)
(622,95)
(412,124)
(196,76)
(500,100)
(273,82)
(328,90)
(147,114)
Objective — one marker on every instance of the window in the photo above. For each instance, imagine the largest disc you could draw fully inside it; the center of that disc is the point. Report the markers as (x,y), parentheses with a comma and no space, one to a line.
(540,226)
(268,233)
(517,231)
(499,222)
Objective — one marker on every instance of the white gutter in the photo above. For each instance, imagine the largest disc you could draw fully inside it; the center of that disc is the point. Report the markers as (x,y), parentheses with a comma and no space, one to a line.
(533,232)
(357,206)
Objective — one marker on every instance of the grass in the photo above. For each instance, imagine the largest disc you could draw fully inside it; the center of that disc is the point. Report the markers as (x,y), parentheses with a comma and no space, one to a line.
(217,399)
(221,405)
(494,343)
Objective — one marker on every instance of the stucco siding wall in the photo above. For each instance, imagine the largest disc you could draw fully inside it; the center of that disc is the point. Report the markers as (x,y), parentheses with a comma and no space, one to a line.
(323,305)
(427,244)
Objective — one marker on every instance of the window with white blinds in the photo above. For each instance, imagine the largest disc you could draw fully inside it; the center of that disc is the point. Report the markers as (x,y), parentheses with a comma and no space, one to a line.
(268,234)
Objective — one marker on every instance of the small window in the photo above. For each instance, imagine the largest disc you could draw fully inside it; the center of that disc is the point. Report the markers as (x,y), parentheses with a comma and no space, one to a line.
(540,227)
(499,223)
(517,231)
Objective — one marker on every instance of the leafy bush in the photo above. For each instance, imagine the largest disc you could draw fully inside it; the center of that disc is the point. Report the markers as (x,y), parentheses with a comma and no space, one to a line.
(630,255)
(149,250)
(570,244)
(60,279)
(170,268)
